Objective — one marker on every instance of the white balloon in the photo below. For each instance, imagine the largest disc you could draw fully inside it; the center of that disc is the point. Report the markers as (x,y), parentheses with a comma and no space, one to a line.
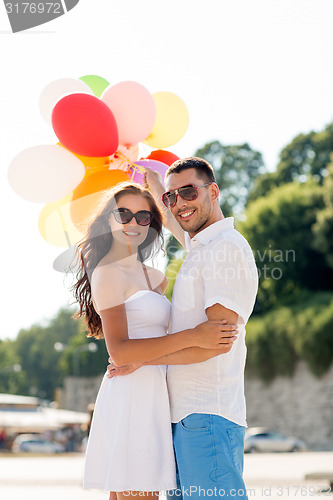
(45,173)
(67,261)
(55,91)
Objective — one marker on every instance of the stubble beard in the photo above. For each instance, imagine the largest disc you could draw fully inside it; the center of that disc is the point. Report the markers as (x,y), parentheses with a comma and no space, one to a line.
(198,224)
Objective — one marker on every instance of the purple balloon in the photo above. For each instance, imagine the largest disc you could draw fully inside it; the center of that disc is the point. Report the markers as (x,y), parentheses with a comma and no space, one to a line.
(155,165)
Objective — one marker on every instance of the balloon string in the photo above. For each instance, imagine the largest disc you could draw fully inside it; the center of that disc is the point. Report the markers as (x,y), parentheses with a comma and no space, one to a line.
(64,228)
(130,165)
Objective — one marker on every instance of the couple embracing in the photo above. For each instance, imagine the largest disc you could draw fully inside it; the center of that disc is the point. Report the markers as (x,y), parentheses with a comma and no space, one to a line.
(170,412)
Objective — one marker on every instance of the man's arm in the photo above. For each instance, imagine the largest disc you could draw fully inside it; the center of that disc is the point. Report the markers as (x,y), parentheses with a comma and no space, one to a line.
(197,354)
(217,311)
(152,181)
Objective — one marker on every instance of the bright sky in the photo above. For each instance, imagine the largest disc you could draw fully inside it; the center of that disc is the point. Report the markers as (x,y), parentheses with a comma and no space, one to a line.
(257,71)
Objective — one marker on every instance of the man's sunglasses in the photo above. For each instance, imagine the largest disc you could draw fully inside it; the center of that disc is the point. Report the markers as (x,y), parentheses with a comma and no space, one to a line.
(124,216)
(188,193)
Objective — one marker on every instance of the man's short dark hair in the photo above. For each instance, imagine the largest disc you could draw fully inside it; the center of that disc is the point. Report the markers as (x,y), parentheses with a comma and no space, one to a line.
(204,169)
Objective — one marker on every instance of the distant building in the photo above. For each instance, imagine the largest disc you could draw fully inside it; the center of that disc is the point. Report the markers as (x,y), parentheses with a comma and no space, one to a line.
(20,414)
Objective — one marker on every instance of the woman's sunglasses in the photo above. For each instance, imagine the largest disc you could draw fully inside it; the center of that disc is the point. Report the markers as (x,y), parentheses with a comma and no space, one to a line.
(124,216)
(188,193)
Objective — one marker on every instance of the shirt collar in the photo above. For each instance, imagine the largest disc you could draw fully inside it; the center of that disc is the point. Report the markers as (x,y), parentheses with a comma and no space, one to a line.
(209,233)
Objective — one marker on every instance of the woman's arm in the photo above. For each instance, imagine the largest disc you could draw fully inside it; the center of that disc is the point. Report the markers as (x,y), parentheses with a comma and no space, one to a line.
(152,181)
(108,287)
(186,356)
(124,351)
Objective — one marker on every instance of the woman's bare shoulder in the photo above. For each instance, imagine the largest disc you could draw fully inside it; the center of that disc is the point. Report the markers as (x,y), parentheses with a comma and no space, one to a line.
(107,287)
(107,271)
(157,278)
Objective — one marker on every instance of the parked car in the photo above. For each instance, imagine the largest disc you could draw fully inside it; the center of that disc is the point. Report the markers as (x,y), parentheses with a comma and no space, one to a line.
(35,443)
(263,439)
(83,445)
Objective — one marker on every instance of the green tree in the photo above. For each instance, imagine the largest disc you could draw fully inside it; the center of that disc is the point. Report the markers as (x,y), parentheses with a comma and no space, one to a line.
(279,230)
(323,228)
(38,357)
(171,273)
(11,375)
(174,249)
(278,339)
(306,157)
(90,363)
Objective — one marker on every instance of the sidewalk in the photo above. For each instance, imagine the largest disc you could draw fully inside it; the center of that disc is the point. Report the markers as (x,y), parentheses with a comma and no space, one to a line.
(270,476)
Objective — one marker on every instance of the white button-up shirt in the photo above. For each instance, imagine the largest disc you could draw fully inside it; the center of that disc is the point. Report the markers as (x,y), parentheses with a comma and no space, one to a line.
(218,269)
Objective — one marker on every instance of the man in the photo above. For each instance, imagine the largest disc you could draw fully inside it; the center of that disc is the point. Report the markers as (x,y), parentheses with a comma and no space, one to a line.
(218,280)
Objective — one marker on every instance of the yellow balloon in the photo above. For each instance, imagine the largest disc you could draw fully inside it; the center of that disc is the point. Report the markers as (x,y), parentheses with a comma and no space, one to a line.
(56,226)
(171,122)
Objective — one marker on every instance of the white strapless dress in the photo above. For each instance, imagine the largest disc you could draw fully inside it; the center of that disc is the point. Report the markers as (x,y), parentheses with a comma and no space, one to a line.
(130,442)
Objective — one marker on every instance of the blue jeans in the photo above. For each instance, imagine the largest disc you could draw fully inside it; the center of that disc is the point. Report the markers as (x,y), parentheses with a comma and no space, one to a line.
(209,452)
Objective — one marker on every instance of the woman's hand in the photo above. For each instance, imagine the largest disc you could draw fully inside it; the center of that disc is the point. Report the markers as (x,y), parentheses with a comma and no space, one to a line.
(214,334)
(114,370)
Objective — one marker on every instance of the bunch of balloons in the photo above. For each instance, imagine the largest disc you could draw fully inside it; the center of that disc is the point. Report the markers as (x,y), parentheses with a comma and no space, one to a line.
(99,128)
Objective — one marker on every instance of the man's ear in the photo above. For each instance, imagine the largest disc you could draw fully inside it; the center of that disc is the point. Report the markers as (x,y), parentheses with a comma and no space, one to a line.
(214,191)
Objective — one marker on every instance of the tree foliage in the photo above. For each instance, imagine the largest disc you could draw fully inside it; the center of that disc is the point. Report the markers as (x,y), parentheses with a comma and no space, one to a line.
(305,158)
(323,228)
(42,366)
(39,359)
(11,375)
(171,274)
(90,363)
(301,331)
(279,228)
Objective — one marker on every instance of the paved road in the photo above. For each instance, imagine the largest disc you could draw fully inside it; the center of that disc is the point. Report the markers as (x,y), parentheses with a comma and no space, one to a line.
(268,476)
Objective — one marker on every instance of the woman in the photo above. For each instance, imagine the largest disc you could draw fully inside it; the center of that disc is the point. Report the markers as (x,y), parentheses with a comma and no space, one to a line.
(130,444)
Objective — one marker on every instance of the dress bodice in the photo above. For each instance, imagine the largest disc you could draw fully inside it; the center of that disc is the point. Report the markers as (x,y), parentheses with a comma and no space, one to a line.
(148,314)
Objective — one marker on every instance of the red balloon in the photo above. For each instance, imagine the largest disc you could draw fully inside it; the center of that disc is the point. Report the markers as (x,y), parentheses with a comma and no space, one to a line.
(163,156)
(85,125)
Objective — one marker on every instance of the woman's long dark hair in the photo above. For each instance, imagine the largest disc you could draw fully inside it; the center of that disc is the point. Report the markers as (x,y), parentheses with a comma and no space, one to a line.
(97,243)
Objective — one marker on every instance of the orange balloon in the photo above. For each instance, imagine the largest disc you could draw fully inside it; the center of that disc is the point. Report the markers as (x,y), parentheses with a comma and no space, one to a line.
(164,156)
(95,170)
(94,162)
(90,162)
(87,196)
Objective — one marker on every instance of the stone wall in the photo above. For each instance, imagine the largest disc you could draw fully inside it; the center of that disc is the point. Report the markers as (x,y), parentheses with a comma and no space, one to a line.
(79,393)
(301,406)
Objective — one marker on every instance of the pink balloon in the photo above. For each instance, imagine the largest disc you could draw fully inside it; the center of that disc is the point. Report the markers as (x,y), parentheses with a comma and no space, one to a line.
(134,110)
(157,166)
